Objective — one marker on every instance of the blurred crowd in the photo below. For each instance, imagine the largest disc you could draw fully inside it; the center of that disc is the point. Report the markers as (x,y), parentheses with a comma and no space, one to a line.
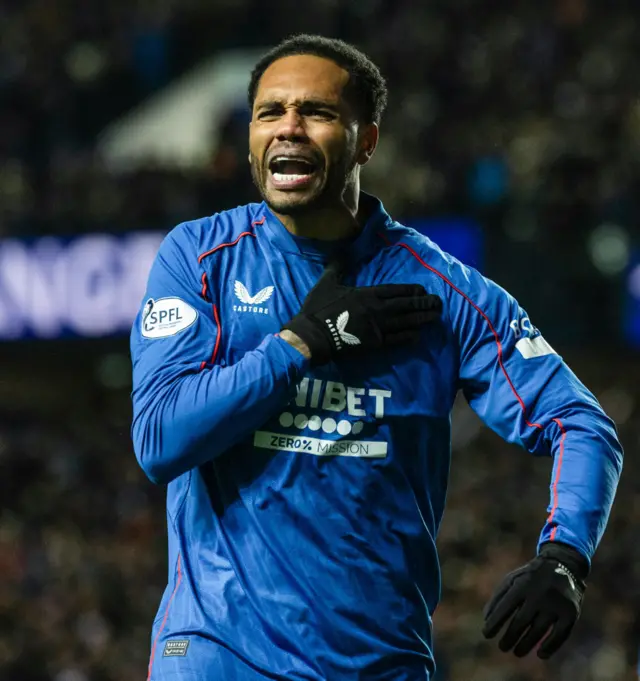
(526,116)
(530,110)
(83,547)
(82,551)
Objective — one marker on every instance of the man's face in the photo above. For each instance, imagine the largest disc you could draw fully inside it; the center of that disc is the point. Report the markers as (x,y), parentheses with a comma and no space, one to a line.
(303,138)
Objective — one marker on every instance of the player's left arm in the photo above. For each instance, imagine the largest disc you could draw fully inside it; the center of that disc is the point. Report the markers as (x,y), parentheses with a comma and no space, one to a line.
(525,392)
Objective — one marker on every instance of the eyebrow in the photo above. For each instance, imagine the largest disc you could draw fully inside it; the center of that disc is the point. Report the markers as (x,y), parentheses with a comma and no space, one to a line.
(320,103)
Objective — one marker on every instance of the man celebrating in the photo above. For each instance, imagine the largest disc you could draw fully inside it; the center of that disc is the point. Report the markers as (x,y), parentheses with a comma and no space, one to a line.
(295,366)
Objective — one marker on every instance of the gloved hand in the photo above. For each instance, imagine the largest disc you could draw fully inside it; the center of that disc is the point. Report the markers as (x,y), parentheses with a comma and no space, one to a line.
(337,319)
(544,594)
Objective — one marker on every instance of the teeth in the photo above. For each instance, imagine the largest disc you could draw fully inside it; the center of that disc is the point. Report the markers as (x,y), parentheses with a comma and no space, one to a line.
(281,177)
(291,158)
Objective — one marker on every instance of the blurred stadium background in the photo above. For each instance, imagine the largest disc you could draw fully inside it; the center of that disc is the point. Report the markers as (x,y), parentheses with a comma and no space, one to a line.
(512,138)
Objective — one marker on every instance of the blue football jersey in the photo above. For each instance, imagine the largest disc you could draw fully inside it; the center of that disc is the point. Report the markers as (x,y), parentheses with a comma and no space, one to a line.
(303,502)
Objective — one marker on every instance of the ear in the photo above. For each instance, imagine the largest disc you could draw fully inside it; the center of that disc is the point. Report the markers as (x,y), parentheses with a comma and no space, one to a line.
(368,142)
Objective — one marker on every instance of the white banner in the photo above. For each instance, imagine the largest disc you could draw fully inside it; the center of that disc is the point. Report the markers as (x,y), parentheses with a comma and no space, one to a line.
(320,447)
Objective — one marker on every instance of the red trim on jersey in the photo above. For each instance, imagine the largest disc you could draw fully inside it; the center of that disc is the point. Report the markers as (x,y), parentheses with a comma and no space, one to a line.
(166,614)
(489,324)
(205,287)
(506,375)
(231,243)
(217,345)
(557,478)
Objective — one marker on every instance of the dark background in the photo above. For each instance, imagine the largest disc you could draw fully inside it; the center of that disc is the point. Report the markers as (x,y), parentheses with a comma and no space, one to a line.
(522,117)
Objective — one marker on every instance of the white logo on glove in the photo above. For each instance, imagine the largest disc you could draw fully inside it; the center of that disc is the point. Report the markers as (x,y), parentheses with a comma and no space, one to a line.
(562,570)
(340,336)
(347,338)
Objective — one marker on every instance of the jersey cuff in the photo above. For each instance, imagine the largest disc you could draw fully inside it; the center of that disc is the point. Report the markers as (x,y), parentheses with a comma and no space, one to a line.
(289,354)
(564,536)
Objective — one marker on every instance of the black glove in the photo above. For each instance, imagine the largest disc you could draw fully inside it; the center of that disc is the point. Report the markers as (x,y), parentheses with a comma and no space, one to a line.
(337,319)
(543,594)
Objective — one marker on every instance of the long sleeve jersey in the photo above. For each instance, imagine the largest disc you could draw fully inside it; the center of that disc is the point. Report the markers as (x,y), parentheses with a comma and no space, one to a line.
(303,502)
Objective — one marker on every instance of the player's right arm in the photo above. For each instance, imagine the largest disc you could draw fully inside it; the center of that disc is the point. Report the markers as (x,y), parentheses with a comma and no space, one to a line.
(184,414)
(187,411)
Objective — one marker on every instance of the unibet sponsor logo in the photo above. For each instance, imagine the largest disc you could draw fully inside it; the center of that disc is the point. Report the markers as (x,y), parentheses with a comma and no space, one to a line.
(337,397)
(348,406)
(252,303)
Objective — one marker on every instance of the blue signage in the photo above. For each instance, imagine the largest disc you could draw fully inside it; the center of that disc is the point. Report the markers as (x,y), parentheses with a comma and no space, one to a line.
(460,237)
(90,286)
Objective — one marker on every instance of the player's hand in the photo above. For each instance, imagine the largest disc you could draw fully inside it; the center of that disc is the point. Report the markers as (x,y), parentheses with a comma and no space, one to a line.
(542,599)
(336,319)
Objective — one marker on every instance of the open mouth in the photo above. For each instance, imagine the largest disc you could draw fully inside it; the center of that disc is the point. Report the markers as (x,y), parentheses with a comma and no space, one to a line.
(290,172)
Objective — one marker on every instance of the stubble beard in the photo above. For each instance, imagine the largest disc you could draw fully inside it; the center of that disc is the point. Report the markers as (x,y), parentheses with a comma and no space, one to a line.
(328,192)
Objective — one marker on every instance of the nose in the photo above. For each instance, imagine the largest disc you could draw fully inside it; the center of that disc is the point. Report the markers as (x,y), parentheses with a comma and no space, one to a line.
(291,126)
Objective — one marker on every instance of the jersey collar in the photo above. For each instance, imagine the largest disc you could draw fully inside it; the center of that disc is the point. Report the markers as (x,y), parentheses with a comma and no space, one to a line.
(363,246)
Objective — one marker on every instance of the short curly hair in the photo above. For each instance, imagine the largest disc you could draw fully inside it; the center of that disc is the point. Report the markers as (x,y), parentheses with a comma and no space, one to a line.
(366,89)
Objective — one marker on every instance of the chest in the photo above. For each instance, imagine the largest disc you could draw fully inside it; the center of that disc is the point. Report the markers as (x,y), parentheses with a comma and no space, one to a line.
(257,294)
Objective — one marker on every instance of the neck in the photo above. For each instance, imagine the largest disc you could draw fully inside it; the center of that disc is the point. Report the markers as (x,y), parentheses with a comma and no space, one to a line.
(328,223)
